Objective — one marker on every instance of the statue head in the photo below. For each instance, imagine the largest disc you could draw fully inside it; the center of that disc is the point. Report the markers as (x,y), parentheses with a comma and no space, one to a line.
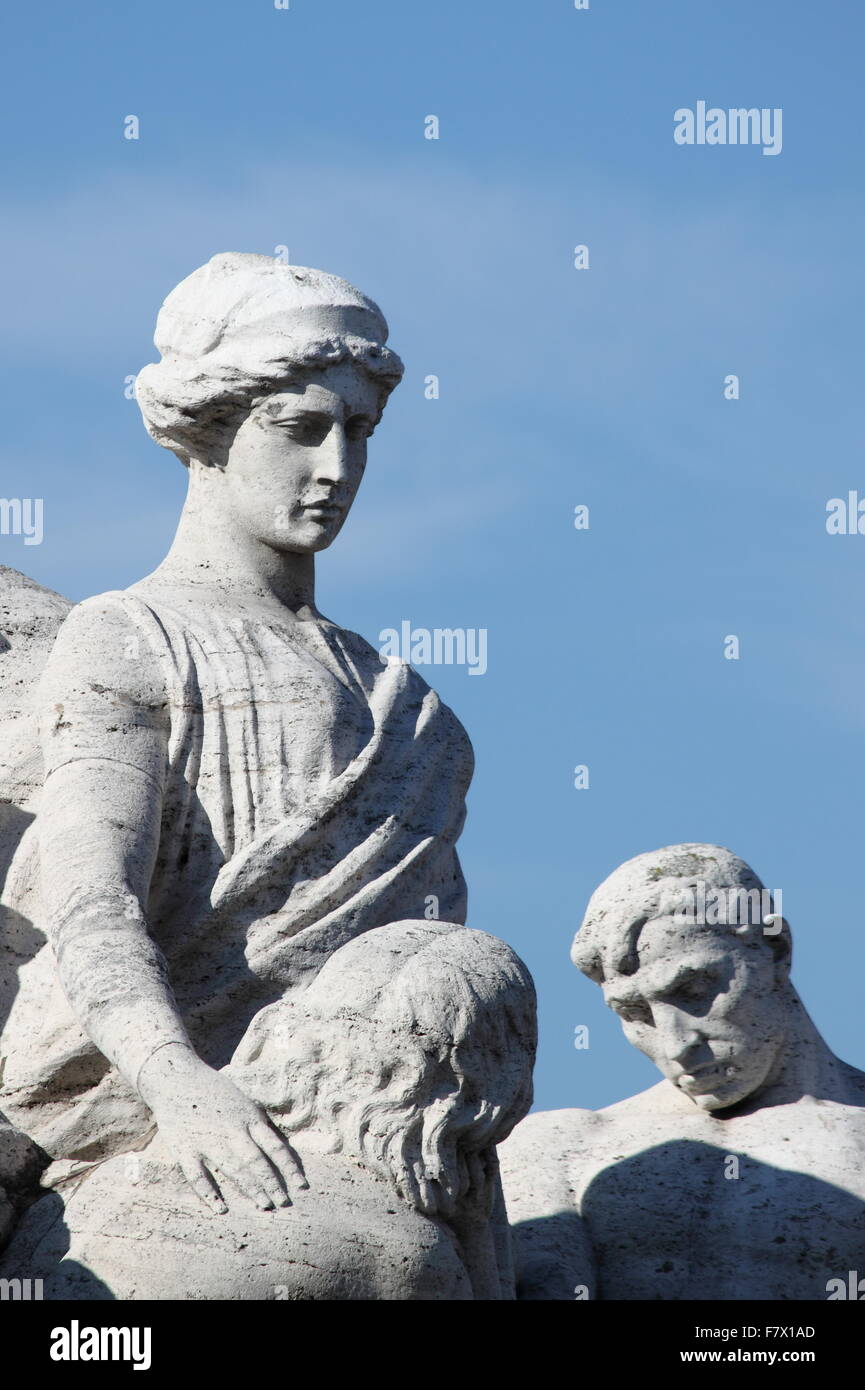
(272,377)
(691,955)
(412,1050)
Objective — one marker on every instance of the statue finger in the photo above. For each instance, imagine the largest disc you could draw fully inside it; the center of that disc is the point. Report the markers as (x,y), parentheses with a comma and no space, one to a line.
(203,1184)
(281,1154)
(257,1178)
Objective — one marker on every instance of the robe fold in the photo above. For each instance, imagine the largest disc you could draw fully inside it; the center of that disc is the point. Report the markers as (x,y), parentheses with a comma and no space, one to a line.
(312,792)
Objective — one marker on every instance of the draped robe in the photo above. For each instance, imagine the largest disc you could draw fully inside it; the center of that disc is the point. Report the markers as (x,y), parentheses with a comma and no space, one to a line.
(311,792)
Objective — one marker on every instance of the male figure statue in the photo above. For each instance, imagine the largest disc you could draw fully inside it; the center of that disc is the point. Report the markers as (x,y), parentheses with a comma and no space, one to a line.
(741,1175)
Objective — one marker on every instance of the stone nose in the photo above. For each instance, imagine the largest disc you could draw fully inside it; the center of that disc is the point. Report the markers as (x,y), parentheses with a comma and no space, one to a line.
(332,462)
(677,1031)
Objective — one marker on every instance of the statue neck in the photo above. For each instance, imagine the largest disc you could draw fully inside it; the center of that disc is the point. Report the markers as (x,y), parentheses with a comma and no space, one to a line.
(211,550)
(805,1066)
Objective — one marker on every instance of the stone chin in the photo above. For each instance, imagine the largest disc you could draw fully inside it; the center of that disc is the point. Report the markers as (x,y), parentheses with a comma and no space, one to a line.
(307,538)
(711,1101)
(733,1093)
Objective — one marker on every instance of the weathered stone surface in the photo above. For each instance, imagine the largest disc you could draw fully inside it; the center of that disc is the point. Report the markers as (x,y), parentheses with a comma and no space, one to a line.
(21,1164)
(397,1143)
(742,1174)
(30,617)
(235,791)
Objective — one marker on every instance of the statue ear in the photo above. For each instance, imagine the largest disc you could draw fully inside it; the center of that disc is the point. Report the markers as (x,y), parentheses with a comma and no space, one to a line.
(776,929)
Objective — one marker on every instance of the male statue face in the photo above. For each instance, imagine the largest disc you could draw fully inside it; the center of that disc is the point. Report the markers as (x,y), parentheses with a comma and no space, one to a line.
(707,1007)
(297,460)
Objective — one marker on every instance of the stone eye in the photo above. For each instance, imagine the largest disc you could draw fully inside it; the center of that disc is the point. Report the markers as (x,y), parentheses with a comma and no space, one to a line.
(359,427)
(634,1013)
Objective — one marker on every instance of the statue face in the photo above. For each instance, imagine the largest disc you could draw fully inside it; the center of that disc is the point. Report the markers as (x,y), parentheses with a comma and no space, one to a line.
(706,1008)
(296,462)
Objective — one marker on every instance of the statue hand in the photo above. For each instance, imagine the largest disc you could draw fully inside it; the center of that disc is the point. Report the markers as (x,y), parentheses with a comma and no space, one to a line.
(211,1128)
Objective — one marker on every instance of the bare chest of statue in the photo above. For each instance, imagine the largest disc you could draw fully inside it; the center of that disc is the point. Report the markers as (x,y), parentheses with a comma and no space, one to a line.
(769,1205)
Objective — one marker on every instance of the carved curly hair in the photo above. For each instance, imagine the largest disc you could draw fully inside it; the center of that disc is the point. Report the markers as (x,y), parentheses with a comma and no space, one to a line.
(238,328)
(412,1051)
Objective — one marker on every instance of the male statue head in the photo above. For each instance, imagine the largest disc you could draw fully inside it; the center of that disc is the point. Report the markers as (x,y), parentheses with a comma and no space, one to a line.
(639,1199)
(692,957)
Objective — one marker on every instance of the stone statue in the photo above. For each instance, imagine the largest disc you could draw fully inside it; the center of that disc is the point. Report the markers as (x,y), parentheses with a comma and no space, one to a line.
(397,1139)
(741,1175)
(231,788)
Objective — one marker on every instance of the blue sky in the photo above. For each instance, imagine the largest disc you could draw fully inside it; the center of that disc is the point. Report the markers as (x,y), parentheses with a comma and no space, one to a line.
(304,128)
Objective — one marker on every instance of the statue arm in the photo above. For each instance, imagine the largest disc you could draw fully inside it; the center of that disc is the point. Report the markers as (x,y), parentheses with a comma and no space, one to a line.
(481,1227)
(552,1249)
(105,726)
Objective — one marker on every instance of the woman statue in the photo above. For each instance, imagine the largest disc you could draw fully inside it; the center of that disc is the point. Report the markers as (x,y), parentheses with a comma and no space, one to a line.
(234,787)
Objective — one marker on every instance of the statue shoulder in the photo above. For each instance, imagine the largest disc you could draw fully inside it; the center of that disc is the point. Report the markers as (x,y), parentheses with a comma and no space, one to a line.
(654,1101)
(553,1131)
(102,652)
(545,1151)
